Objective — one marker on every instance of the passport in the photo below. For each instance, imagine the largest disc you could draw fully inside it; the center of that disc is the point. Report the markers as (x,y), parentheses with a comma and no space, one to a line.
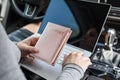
(51,42)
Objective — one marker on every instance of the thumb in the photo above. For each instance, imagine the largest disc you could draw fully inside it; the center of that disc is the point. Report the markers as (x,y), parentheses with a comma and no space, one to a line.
(31,49)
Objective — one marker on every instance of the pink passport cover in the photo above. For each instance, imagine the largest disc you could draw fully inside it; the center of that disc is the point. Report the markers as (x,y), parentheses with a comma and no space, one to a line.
(51,42)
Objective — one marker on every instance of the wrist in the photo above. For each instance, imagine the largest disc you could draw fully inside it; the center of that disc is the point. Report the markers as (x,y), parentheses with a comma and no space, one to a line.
(74,66)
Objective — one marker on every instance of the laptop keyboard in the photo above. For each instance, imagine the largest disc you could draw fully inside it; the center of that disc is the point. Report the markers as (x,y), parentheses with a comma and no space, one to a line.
(69,49)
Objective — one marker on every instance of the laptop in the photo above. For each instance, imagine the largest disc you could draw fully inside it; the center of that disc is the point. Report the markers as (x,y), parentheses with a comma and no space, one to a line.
(86,20)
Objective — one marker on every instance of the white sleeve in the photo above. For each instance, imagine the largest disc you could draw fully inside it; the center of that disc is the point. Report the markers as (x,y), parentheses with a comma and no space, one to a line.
(71,72)
(9,67)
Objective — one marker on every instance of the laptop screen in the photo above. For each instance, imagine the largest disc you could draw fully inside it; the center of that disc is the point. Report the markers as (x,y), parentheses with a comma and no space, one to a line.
(90,18)
(84,18)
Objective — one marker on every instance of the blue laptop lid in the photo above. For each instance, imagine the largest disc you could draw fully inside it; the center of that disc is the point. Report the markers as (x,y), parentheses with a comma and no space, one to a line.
(58,12)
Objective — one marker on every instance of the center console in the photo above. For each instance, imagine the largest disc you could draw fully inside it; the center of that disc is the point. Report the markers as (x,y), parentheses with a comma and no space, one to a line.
(106,57)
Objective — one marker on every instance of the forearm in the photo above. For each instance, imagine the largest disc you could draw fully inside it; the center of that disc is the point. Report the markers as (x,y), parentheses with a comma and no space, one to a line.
(71,72)
(17,51)
(9,67)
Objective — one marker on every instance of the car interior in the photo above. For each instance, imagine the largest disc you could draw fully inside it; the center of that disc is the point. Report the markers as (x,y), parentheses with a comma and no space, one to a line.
(22,18)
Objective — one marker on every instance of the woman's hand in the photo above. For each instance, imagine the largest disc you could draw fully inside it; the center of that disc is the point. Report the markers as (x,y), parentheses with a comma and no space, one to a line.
(78,59)
(27,47)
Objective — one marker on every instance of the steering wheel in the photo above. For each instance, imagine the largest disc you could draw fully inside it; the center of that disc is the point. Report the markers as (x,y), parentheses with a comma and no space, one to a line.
(31,9)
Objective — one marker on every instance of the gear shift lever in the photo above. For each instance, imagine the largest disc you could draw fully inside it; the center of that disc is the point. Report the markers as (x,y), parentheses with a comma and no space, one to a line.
(110,38)
(109,42)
